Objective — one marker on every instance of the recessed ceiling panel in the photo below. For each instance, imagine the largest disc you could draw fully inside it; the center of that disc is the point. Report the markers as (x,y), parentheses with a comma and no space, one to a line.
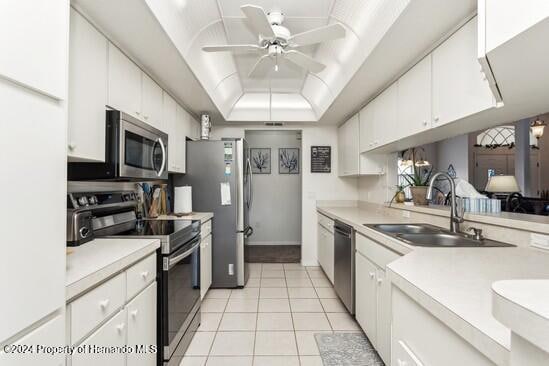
(291,8)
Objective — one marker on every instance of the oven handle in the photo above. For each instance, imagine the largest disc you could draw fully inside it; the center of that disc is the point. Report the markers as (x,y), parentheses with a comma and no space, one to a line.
(163,157)
(169,262)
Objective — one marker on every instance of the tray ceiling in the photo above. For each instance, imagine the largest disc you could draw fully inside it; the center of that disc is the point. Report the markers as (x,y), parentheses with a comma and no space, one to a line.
(291,94)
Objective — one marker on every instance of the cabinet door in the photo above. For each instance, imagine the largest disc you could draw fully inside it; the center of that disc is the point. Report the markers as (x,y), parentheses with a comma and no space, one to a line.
(329,244)
(112,333)
(87,91)
(34,157)
(459,86)
(141,313)
(321,246)
(366,296)
(385,116)
(366,117)
(341,150)
(183,130)
(52,333)
(169,114)
(348,144)
(205,265)
(33,35)
(124,83)
(383,324)
(414,100)
(151,107)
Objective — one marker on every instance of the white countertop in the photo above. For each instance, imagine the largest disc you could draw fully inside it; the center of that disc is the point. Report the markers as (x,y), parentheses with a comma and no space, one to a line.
(95,261)
(202,216)
(454,284)
(523,306)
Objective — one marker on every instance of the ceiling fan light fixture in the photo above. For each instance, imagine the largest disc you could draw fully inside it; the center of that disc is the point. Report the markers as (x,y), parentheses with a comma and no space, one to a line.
(276,40)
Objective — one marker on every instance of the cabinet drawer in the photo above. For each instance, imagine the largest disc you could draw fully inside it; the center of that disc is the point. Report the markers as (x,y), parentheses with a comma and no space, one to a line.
(206,229)
(111,334)
(140,275)
(374,251)
(91,309)
(327,222)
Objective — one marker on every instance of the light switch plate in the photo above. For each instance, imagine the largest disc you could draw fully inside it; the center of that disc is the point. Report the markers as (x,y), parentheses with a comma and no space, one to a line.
(539,241)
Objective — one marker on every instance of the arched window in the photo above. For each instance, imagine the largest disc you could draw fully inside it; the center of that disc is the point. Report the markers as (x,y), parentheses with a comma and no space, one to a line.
(502,136)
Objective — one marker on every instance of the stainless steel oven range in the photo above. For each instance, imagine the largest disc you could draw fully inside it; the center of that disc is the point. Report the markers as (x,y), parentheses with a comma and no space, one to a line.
(178,264)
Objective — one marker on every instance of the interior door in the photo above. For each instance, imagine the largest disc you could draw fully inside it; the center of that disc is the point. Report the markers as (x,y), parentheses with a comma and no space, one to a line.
(484,163)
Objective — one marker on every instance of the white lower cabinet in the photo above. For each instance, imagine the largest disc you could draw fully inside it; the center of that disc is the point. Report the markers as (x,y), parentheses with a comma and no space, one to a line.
(120,312)
(419,338)
(51,333)
(325,250)
(110,334)
(373,293)
(141,313)
(205,265)
(366,297)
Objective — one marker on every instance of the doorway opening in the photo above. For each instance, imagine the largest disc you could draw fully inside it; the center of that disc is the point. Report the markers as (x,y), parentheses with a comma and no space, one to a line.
(275,215)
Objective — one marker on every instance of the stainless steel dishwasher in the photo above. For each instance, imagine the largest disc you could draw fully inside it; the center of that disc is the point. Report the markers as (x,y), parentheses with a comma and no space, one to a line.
(344,264)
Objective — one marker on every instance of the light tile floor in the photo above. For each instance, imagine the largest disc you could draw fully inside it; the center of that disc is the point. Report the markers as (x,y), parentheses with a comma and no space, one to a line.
(270,322)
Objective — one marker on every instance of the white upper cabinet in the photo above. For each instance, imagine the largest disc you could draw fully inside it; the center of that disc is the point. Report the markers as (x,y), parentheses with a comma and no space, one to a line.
(33,35)
(124,83)
(385,116)
(169,115)
(183,130)
(378,120)
(460,88)
(414,100)
(87,91)
(151,109)
(367,127)
(506,19)
(348,146)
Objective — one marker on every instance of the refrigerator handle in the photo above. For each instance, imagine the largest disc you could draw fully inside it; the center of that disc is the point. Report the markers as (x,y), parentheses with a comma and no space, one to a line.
(251,189)
(249,174)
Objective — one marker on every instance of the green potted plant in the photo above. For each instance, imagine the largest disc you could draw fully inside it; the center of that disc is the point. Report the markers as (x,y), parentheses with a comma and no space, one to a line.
(418,180)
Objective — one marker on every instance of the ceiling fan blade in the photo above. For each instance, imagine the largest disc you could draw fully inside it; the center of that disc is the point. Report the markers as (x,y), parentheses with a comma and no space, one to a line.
(317,35)
(258,20)
(263,65)
(233,48)
(304,61)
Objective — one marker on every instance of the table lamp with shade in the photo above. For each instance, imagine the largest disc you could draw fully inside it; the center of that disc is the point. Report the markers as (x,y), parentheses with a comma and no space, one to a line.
(502,184)
(504,188)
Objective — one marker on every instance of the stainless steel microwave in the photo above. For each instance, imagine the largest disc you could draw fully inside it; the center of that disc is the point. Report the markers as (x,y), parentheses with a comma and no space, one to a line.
(134,151)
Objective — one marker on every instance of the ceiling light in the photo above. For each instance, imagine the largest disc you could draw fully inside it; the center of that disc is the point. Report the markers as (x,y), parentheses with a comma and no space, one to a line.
(537,128)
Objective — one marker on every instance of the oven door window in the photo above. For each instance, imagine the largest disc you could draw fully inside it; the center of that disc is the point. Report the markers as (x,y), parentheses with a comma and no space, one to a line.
(141,152)
(183,293)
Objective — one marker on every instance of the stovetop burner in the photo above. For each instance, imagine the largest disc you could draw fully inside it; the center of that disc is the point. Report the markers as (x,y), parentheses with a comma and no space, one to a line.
(157,228)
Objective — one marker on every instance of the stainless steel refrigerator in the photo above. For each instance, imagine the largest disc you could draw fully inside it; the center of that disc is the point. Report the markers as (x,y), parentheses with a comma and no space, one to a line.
(221,179)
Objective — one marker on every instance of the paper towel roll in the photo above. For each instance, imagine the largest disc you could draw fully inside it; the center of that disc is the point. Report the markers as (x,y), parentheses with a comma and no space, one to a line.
(183,200)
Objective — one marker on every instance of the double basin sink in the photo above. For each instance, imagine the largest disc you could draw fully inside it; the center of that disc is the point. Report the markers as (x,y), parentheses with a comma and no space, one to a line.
(425,235)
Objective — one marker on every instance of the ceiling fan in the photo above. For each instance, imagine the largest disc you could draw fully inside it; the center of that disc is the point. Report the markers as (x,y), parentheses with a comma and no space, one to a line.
(276,42)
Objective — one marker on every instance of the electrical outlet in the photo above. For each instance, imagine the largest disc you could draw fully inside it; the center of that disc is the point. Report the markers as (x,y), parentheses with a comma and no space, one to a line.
(539,241)
(406,214)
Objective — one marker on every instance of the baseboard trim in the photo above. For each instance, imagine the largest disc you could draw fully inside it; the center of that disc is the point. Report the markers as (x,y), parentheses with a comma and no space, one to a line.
(274,243)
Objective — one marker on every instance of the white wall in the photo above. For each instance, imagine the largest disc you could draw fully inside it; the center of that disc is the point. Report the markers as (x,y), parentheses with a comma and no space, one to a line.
(276,211)
(454,151)
(314,186)
(379,188)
